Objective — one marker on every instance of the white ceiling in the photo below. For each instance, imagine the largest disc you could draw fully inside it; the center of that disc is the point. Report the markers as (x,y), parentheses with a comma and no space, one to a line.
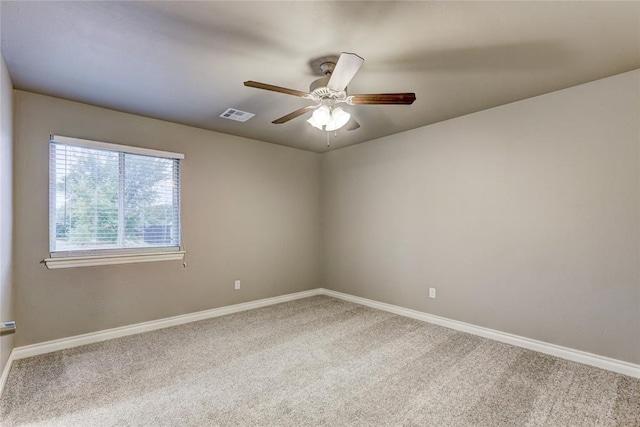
(186,61)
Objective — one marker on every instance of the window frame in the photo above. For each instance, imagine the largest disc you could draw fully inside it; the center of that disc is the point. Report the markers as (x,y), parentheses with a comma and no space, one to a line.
(92,257)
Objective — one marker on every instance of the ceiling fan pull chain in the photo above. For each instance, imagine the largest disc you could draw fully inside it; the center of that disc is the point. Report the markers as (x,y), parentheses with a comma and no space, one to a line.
(328,141)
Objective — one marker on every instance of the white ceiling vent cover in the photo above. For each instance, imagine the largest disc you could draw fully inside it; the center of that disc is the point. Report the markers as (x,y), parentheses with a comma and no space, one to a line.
(237,115)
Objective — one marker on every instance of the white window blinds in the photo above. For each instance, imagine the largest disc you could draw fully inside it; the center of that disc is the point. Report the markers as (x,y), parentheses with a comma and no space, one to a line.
(107,197)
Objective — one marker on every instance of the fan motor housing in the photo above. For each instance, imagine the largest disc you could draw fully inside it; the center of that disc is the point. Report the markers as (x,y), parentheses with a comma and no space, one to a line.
(321,82)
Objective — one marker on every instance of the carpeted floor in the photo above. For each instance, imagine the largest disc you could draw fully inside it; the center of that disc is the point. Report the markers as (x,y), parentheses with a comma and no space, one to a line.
(315,361)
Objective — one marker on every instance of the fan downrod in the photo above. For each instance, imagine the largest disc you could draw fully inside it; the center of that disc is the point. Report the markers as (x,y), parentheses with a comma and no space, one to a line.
(327,68)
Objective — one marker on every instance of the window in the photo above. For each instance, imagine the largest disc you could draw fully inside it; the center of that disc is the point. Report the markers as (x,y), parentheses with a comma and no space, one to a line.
(112,203)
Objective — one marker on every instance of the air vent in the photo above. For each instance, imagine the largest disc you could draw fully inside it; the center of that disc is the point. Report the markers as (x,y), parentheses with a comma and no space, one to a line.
(237,115)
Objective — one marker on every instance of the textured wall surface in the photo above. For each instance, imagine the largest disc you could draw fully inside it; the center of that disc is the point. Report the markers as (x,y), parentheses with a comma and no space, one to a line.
(524,217)
(250,211)
(6,208)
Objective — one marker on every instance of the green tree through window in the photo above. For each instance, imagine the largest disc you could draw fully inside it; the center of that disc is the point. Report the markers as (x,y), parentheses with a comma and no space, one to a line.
(112,200)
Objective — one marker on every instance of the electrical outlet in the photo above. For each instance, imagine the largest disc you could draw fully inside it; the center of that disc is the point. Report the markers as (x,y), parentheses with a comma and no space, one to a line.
(237,285)
(432,292)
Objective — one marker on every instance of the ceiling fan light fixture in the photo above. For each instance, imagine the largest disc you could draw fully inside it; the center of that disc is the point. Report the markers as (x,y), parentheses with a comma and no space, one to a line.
(339,118)
(330,90)
(322,115)
(313,123)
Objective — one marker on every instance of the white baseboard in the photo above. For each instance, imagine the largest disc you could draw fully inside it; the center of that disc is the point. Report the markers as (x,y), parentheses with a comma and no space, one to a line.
(5,371)
(602,362)
(93,337)
(607,363)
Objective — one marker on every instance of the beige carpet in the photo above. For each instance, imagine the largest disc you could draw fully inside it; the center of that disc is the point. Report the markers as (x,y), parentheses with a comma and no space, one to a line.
(316,361)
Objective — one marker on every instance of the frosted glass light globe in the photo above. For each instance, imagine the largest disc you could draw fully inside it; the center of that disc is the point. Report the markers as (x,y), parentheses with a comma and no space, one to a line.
(322,115)
(339,118)
(313,123)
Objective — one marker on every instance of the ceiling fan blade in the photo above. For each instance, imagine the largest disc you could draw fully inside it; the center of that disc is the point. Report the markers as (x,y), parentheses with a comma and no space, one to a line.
(273,88)
(347,67)
(295,114)
(382,99)
(352,125)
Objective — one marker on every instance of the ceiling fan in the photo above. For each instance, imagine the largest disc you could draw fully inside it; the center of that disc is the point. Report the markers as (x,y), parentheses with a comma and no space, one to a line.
(331,90)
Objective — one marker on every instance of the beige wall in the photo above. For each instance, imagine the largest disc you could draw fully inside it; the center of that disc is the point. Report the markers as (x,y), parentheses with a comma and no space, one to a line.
(250,212)
(6,208)
(524,217)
